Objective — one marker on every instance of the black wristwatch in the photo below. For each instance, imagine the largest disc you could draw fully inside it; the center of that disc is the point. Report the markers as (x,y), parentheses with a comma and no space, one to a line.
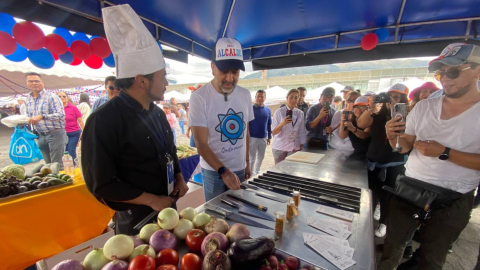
(222,170)
(445,155)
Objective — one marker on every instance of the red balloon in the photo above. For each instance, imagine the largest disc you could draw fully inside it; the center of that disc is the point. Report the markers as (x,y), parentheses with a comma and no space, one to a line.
(80,49)
(29,35)
(55,56)
(94,62)
(7,44)
(76,61)
(100,47)
(56,44)
(369,41)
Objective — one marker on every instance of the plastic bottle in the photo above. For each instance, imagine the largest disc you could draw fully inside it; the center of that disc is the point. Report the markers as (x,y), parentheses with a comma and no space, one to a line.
(296,198)
(68,164)
(280,220)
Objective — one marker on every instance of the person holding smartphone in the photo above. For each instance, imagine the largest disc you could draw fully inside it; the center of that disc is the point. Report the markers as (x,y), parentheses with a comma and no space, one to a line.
(288,128)
(360,138)
(318,118)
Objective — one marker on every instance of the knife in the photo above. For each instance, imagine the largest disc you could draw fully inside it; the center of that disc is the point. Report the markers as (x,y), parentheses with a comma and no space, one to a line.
(261,207)
(235,217)
(247,210)
(267,196)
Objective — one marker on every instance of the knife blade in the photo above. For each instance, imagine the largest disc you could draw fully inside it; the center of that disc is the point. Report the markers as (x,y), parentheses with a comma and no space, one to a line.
(235,217)
(261,207)
(247,210)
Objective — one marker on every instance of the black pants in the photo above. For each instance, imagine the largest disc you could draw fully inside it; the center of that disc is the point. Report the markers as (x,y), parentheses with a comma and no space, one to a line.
(378,194)
(437,235)
(126,220)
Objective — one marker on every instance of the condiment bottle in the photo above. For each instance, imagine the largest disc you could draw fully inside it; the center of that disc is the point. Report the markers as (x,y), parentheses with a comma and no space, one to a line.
(280,220)
(290,209)
(296,198)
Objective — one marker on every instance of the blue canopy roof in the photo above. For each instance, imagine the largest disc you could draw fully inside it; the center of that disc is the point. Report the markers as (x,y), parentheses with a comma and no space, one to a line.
(279,33)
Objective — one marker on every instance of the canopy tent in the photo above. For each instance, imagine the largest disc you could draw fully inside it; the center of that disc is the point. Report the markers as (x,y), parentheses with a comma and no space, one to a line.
(61,76)
(314,94)
(291,33)
(276,93)
(175,94)
(411,83)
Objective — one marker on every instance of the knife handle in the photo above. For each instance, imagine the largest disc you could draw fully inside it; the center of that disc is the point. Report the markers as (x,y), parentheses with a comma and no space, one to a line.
(217,209)
(232,204)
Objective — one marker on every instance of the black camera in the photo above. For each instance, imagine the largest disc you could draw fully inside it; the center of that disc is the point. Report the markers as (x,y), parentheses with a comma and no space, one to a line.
(382,98)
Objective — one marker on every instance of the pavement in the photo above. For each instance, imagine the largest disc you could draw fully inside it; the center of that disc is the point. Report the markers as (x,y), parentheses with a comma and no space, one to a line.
(465,249)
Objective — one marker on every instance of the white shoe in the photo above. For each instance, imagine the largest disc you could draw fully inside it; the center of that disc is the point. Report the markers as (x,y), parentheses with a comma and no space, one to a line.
(376,214)
(381,230)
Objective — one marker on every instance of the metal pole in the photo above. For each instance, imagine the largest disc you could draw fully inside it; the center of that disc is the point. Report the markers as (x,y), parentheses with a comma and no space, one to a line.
(399,19)
(228,18)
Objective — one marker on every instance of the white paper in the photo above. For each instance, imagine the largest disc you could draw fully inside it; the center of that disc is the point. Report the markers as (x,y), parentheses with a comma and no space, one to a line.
(335,240)
(337,243)
(330,228)
(329,252)
(337,213)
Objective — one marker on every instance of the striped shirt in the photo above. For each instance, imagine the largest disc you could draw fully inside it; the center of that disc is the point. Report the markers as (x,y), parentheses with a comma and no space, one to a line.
(50,107)
(99,102)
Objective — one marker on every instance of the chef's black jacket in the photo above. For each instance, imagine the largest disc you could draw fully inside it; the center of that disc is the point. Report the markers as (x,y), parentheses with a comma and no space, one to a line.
(119,157)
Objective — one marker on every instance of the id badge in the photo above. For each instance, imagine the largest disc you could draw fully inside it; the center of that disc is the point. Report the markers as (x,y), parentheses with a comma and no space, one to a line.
(170,177)
(292,136)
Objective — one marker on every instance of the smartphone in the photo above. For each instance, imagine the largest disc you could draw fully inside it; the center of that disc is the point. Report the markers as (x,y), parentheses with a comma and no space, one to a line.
(289,113)
(326,105)
(399,109)
(348,117)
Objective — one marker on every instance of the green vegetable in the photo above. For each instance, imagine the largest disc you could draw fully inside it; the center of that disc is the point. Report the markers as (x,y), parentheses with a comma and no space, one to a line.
(45,170)
(66,177)
(42,185)
(16,170)
(35,169)
(35,178)
(55,167)
(52,175)
(54,182)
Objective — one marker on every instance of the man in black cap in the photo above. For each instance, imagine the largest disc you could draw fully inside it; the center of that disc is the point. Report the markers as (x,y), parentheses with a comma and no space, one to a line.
(318,118)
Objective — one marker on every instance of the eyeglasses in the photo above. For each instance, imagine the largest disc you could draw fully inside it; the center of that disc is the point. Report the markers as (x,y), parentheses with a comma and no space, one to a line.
(452,73)
(62,96)
(360,107)
(113,88)
(34,81)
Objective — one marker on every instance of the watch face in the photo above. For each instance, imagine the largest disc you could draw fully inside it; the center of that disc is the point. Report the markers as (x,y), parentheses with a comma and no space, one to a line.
(443,156)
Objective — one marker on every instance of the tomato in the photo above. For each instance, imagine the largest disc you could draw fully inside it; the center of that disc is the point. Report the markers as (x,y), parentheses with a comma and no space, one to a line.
(194,240)
(167,267)
(191,261)
(142,262)
(167,256)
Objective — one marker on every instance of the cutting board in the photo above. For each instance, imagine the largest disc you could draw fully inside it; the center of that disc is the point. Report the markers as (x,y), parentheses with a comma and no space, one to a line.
(305,157)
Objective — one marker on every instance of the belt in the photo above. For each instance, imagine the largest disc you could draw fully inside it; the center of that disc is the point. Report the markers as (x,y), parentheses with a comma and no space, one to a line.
(48,132)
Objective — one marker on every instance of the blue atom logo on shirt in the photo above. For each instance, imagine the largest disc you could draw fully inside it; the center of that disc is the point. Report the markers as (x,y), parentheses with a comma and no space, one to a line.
(231,126)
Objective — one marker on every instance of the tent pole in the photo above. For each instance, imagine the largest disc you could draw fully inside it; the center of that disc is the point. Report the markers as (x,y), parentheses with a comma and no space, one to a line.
(228,18)
(399,19)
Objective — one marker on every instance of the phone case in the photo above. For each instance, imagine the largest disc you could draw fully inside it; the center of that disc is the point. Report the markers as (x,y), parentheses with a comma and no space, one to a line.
(400,109)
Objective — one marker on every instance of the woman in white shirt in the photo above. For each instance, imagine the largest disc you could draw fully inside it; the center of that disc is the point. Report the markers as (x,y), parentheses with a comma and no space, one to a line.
(288,128)
(84,106)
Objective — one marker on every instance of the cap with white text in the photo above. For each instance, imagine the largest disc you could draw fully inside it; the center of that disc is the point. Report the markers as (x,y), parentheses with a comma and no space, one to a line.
(456,54)
(228,54)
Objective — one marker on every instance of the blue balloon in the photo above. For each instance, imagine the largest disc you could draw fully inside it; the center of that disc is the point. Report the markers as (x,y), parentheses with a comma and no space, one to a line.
(6,23)
(19,55)
(382,34)
(65,34)
(81,36)
(66,58)
(109,61)
(41,58)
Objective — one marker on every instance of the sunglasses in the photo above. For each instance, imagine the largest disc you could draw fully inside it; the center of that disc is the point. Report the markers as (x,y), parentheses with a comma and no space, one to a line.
(113,88)
(452,73)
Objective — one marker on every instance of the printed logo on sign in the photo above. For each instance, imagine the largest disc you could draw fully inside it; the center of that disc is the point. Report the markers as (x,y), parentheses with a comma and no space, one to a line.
(231,126)
(21,149)
(229,45)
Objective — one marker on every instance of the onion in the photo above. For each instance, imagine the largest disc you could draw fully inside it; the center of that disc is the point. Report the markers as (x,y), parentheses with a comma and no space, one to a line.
(183,227)
(163,239)
(200,220)
(216,259)
(142,250)
(217,225)
(238,232)
(116,265)
(188,213)
(119,246)
(214,241)
(69,265)
(95,260)
(137,241)
(168,218)
(147,231)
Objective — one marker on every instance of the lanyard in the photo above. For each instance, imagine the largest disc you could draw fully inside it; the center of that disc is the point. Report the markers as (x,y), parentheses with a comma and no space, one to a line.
(156,130)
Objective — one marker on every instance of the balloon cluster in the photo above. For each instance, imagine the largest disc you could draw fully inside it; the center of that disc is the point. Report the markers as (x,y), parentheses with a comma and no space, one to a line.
(370,40)
(22,40)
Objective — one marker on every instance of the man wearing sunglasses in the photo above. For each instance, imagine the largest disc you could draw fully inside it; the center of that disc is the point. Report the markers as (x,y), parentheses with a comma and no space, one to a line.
(48,119)
(442,134)
(112,91)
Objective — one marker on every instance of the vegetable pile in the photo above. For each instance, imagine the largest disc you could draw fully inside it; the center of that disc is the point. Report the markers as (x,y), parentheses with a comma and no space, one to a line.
(184,151)
(211,242)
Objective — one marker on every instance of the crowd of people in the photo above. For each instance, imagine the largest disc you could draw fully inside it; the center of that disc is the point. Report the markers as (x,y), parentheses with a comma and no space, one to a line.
(129,156)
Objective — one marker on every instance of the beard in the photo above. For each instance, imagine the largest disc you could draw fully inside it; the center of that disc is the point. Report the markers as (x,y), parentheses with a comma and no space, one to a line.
(234,84)
(154,97)
(460,93)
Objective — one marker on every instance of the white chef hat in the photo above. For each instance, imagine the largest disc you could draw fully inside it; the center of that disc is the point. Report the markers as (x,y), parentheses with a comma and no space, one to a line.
(135,50)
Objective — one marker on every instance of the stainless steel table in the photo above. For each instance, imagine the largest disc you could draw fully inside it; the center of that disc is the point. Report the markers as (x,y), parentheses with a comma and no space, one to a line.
(337,168)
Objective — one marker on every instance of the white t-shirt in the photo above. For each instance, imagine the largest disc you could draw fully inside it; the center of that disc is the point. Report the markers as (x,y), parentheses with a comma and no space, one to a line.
(226,122)
(460,133)
(335,140)
(292,135)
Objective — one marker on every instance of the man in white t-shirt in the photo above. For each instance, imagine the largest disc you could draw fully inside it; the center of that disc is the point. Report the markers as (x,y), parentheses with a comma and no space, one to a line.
(443,135)
(219,115)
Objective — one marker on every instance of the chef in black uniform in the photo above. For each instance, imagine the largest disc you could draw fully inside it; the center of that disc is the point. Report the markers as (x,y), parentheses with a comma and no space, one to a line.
(129,158)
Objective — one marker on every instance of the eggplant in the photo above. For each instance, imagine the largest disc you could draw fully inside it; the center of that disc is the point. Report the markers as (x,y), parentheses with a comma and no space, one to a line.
(249,250)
